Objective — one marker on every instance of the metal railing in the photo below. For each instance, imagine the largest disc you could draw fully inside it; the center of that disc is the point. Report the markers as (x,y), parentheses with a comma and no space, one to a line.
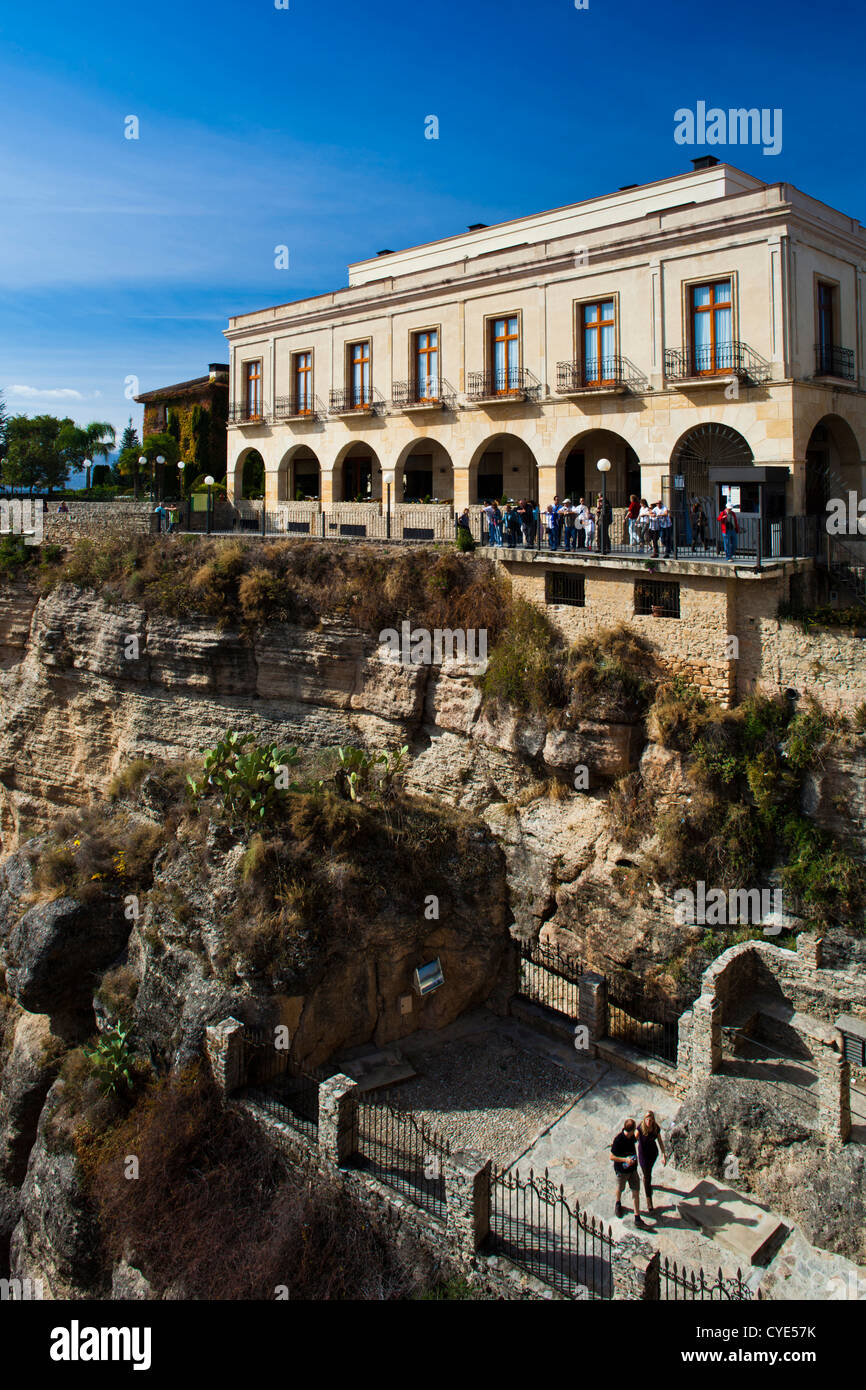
(344,400)
(293,408)
(721,359)
(245,414)
(434,391)
(500,384)
(643,1028)
(549,977)
(598,374)
(834,361)
(401,1151)
(679,1283)
(279,1086)
(533,1224)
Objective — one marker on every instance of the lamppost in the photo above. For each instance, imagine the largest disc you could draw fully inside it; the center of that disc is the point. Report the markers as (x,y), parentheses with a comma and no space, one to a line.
(181,466)
(603,467)
(87,464)
(160,464)
(388,478)
(181,520)
(142,463)
(208,484)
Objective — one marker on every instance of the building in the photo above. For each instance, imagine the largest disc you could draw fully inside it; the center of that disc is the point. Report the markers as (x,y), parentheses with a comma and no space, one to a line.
(703,332)
(195,412)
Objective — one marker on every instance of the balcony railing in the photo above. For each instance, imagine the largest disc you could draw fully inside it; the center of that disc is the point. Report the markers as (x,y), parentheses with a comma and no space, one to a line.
(504,384)
(834,361)
(247,414)
(723,360)
(435,391)
(348,400)
(608,374)
(290,408)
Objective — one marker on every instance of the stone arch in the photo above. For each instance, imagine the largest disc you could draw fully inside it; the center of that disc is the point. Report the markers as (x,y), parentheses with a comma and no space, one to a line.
(833,463)
(247,475)
(357,472)
(503,461)
(299,471)
(576,471)
(702,447)
(424,468)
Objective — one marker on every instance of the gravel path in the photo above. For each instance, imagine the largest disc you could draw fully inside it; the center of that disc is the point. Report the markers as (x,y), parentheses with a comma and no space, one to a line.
(488,1095)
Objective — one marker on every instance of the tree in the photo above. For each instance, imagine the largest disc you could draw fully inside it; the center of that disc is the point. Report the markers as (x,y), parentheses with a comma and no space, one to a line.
(4,425)
(36,452)
(100,442)
(166,446)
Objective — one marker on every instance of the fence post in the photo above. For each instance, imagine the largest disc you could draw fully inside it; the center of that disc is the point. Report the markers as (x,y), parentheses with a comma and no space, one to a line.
(467,1201)
(337,1119)
(706,1036)
(592,1004)
(224,1048)
(834,1096)
(635,1266)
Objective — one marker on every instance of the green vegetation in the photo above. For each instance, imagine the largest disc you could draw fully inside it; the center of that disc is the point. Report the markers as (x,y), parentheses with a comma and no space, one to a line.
(111,1061)
(248,779)
(808,619)
(747,768)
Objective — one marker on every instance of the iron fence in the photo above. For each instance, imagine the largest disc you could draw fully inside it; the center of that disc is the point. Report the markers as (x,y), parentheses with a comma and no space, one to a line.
(834,361)
(248,413)
(281,1087)
(643,1028)
(502,383)
(550,977)
(533,1224)
(401,1151)
(719,359)
(344,400)
(679,1283)
(434,391)
(596,374)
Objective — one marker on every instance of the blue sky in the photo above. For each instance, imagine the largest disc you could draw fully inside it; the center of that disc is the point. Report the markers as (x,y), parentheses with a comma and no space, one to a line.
(305,127)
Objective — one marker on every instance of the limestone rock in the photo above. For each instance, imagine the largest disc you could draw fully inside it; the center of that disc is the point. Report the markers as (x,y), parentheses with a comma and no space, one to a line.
(56,948)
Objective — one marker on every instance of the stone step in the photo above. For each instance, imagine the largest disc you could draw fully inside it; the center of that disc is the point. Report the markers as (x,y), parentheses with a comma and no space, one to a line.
(545,1020)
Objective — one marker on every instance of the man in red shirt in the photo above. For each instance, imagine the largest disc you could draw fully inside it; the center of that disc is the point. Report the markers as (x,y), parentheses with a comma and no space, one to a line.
(730,530)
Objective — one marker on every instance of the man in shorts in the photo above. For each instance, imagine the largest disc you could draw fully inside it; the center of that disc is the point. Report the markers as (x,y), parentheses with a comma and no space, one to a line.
(624,1156)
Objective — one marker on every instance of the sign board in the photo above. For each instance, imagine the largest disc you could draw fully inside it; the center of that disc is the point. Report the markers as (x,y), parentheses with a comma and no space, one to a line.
(429,977)
(679,480)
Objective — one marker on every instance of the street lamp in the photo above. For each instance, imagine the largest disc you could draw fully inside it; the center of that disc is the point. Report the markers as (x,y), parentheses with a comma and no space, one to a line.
(181,466)
(388,478)
(208,484)
(160,463)
(603,467)
(87,465)
(142,463)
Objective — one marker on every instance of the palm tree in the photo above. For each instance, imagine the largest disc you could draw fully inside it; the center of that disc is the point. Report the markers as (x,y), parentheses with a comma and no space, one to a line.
(100,440)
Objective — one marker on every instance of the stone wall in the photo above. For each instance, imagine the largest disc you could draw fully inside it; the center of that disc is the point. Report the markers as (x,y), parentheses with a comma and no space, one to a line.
(119,517)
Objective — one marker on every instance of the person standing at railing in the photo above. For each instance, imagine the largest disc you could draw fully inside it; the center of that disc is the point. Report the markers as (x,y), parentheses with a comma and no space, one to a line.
(730,530)
(581,513)
(699,525)
(666,528)
(568,515)
(649,1141)
(631,518)
(550,523)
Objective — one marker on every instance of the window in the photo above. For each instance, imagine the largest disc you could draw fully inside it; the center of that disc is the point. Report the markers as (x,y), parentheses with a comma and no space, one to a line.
(826,334)
(303,402)
(657,598)
(426,365)
(599,343)
(712,328)
(360,393)
(564,588)
(505,343)
(253,389)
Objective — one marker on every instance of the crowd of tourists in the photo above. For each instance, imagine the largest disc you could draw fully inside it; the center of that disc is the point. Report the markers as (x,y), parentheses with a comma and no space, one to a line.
(648,527)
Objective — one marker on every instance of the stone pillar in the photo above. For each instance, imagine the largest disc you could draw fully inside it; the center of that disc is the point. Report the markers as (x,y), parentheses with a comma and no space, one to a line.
(592,1004)
(337,1119)
(224,1048)
(461,489)
(706,1036)
(809,949)
(467,1201)
(327,487)
(634,1269)
(834,1096)
(547,484)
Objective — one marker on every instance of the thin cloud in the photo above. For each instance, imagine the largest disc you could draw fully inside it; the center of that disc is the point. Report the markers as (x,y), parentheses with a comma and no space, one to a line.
(53,393)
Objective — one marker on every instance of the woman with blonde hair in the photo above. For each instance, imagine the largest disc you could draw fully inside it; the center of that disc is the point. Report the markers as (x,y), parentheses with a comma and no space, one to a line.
(649,1141)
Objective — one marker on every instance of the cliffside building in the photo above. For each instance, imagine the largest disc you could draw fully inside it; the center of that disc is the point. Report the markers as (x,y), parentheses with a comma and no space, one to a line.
(704,332)
(197,410)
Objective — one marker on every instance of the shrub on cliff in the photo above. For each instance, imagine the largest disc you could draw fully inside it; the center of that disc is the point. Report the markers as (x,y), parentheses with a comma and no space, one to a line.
(216,1213)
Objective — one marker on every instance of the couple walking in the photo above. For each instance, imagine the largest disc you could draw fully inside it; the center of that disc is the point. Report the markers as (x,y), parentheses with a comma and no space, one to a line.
(637,1146)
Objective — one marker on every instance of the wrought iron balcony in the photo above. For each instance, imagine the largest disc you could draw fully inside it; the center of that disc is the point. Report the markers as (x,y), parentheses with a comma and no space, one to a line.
(834,361)
(608,374)
(247,414)
(723,360)
(290,408)
(502,385)
(348,401)
(434,393)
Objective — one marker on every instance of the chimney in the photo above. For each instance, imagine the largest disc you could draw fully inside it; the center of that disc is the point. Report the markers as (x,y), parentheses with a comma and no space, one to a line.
(704,161)
(476,227)
(386,252)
